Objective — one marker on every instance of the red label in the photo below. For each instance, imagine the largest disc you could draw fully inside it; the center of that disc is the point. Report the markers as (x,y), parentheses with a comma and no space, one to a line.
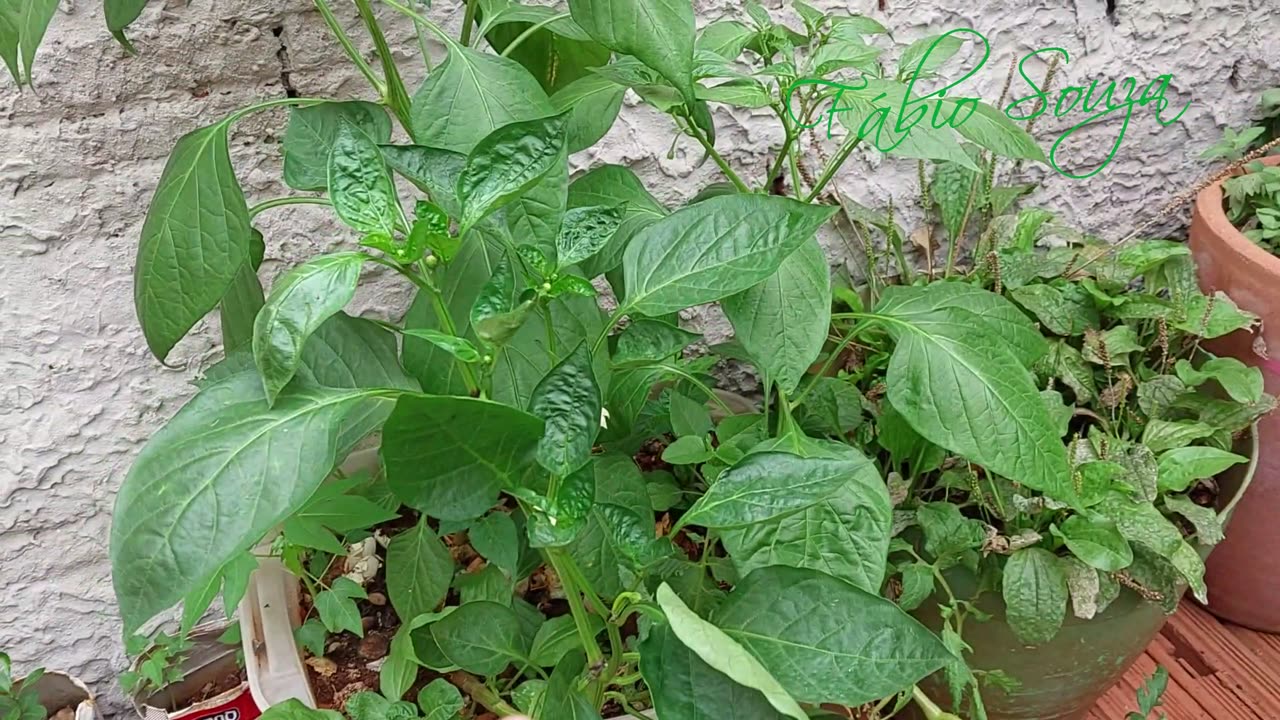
(240,707)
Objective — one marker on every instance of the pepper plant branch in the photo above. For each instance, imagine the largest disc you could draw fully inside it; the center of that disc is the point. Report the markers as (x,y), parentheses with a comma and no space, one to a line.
(506,52)
(394,94)
(481,693)
(830,170)
(349,47)
(284,201)
(723,164)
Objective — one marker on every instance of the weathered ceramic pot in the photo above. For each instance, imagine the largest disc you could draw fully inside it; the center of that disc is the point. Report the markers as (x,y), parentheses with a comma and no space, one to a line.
(1244,583)
(1063,678)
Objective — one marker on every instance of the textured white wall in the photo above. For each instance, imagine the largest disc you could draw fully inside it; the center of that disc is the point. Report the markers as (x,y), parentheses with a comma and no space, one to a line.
(80,155)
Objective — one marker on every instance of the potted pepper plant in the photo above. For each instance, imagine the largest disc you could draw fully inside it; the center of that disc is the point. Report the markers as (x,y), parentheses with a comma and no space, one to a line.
(558,523)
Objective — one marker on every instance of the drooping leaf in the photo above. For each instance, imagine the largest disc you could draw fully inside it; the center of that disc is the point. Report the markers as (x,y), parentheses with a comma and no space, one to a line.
(796,622)
(568,401)
(765,485)
(470,95)
(714,249)
(419,570)
(298,304)
(120,14)
(658,32)
(242,301)
(783,322)
(225,455)
(1205,520)
(439,463)
(506,163)
(1035,593)
(195,239)
(723,654)
(312,132)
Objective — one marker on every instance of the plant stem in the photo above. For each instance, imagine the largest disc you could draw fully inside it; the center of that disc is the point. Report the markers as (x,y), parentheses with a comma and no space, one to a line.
(701,137)
(349,48)
(283,201)
(830,170)
(545,312)
(616,647)
(604,332)
(711,394)
(826,366)
(422,21)
(576,608)
(475,688)
(468,19)
(422,280)
(506,52)
(422,46)
(394,93)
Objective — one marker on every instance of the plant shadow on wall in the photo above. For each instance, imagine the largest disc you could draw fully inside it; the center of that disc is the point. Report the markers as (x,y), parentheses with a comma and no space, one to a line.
(576,524)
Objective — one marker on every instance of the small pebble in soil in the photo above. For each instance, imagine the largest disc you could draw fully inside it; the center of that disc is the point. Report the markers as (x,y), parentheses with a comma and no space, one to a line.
(374,646)
(65,713)
(377,598)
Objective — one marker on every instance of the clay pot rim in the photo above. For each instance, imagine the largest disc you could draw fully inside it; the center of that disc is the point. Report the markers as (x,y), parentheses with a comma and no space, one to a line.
(1208,207)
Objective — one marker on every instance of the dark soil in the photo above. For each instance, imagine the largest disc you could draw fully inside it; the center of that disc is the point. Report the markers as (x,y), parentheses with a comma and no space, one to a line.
(227,682)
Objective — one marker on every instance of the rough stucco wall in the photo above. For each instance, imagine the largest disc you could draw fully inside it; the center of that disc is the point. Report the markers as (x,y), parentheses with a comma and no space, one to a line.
(79,393)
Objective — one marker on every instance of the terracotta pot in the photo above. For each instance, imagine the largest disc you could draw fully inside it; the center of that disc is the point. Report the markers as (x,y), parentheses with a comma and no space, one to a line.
(1063,678)
(1244,584)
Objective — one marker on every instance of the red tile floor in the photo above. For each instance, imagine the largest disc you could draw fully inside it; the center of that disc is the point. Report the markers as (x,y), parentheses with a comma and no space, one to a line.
(1217,671)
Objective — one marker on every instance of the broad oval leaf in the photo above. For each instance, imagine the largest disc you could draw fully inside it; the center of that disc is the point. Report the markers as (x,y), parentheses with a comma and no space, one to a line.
(1035,594)
(195,239)
(449,456)
(614,186)
(419,570)
(646,341)
(299,302)
(470,95)
(559,636)
(765,485)
(845,535)
(711,250)
(227,468)
(312,131)
(506,163)
(933,307)
(660,33)
(592,103)
(481,637)
(568,401)
(954,380)
(723,654)
(360,186)
(440,700)
(783,322)
(826,640)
